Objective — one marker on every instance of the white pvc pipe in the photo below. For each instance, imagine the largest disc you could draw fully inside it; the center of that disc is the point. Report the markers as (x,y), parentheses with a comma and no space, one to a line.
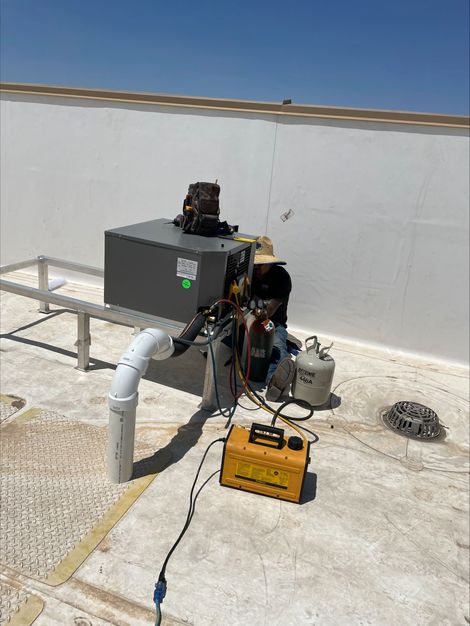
(123,399)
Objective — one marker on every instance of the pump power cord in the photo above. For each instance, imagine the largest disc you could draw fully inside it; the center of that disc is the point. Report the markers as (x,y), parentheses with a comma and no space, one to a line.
(289,418)
(301,403)
(160,586)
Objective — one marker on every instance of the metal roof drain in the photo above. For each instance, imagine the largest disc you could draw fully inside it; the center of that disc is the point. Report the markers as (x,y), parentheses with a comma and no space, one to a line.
(413,420)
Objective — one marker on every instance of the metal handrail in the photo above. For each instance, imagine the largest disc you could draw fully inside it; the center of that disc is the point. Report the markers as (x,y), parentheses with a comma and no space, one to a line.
(91,309)
(85,310)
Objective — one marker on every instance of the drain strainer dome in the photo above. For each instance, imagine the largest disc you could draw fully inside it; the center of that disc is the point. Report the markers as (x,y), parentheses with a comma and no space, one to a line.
(413,420)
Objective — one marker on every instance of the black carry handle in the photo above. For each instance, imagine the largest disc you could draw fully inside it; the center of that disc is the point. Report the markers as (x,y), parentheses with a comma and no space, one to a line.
(270,436)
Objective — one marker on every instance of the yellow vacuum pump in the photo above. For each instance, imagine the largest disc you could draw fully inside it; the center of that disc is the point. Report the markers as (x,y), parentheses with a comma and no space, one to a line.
(263,460)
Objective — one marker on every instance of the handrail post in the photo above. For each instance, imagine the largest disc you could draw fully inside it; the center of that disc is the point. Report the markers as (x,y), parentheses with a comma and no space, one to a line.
(43,280)
(83,341)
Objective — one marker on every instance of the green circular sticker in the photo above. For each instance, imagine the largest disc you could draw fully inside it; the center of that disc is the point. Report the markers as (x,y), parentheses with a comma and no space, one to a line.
(186,284)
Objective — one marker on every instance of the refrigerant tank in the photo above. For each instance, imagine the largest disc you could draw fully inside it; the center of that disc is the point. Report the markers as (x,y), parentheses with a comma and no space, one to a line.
(314,370)
(261,345)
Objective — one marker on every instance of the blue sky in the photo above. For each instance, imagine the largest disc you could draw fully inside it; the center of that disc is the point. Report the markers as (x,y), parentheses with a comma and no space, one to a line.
(396,54)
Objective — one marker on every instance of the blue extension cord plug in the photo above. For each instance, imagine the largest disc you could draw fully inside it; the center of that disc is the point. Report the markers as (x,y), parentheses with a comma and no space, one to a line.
(159,592)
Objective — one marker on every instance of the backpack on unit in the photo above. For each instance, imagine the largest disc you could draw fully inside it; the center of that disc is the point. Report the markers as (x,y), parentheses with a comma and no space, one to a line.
(201,209)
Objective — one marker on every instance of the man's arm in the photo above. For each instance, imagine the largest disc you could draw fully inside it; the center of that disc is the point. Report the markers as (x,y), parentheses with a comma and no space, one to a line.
(272,307)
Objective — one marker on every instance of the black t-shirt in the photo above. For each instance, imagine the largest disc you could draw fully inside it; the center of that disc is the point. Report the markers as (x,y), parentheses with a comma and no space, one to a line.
(275,284)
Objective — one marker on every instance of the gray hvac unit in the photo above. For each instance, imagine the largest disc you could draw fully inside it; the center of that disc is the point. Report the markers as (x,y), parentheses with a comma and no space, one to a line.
(155,268)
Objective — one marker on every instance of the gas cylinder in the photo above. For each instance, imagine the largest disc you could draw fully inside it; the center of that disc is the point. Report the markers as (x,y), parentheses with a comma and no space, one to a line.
(261,345)
(314,370)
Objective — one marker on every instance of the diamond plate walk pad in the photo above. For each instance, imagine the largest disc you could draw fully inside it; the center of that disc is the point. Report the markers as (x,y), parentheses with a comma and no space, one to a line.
(17,607)
(56,501)
(9,405)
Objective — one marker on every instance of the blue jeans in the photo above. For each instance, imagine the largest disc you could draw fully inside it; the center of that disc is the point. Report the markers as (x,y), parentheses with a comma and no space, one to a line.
(280,351)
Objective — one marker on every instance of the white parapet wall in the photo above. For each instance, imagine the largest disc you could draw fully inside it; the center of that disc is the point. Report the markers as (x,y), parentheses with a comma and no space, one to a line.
(377,235)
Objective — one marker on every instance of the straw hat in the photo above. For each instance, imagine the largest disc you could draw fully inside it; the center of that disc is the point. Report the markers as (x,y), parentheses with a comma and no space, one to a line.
(265,253)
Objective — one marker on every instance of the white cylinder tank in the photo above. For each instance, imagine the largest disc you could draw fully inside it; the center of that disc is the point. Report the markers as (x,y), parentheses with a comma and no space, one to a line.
(314,371)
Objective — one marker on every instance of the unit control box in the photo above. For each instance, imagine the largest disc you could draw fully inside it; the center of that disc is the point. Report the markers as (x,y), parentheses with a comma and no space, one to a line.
(262,460)
(157,269)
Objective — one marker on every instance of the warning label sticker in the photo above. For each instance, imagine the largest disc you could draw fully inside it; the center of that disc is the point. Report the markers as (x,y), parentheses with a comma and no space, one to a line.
(260,474)
(186,268)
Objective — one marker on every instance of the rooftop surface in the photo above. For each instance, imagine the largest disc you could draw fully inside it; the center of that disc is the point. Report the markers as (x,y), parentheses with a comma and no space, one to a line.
(381,537)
